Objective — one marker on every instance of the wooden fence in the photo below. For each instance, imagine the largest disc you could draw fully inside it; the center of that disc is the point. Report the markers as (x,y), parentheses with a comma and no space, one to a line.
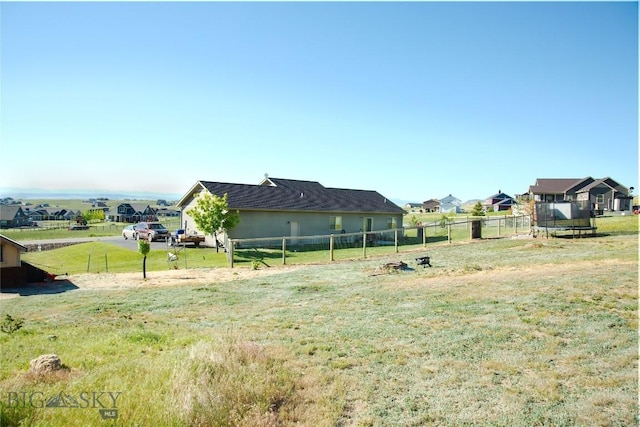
(391,240)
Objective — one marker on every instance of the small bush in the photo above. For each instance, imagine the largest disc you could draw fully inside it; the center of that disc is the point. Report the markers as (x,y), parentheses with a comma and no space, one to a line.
(10,325)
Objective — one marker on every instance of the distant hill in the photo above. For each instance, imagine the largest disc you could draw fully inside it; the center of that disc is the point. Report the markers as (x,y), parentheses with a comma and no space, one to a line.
(39,193)
(471,202)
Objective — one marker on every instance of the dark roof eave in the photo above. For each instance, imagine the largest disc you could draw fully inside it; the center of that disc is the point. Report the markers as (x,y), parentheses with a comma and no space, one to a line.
(317,211)
(14,243)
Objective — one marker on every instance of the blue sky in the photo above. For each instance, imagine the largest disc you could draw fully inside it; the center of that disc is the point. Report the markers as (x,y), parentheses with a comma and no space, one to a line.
(414,100)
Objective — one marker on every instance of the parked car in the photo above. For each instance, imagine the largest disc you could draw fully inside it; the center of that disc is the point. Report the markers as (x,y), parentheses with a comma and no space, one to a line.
(151,231)
(129,232)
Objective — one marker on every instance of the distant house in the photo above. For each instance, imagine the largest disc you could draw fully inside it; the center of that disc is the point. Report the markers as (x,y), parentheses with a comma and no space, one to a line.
(12,216)
(450,204)
(431,205)
(285,207)
(64,214)
(499,202)
(8,201)
(598,194)
(40,214)
(409,207)
(164,212)
(132,212)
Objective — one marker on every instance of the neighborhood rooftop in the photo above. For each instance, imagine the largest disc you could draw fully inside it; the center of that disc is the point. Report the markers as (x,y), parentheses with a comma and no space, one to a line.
(289,194)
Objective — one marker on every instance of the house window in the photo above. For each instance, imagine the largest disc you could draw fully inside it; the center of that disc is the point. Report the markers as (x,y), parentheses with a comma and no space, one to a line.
(335,223)
(599,198)
(392,223)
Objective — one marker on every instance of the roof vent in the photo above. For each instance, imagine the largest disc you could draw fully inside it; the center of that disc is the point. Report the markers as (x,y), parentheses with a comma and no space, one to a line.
(301,195)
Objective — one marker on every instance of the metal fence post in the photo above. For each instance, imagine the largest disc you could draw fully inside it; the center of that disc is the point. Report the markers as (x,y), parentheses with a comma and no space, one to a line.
(396,239)
(331,248)
(284,251)
(364,244)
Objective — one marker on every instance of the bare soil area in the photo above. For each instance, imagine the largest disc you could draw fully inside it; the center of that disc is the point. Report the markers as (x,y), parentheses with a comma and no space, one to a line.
(168,278)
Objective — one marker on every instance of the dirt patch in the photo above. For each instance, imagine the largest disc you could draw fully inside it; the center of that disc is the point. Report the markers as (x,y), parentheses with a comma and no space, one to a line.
(109,281)
(485,281)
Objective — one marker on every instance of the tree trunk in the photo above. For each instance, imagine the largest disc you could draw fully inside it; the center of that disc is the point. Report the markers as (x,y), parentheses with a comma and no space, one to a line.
(215,239)
(144,267)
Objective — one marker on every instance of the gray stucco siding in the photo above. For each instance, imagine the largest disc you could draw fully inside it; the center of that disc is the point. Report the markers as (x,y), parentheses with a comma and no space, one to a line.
(268,222)
(258,224)
(255,224)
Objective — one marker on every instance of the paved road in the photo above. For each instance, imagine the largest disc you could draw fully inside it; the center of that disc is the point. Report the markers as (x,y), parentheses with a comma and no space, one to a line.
(116,240)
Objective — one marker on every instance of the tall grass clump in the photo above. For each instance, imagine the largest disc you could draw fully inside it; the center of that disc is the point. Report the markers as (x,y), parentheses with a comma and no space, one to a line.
(235,383)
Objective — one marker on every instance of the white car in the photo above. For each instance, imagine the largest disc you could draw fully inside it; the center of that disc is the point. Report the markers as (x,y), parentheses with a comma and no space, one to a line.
(130,232)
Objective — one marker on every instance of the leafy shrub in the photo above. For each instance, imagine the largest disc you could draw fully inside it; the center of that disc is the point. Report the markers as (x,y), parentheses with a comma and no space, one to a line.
(478,210)
(10,325)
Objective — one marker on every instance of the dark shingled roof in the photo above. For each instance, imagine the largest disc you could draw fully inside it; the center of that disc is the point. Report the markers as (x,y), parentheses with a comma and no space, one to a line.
(552,185)
(288,194)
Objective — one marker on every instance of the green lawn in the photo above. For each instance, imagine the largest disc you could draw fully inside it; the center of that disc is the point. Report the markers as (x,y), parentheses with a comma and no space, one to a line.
(101,257)
(500,332)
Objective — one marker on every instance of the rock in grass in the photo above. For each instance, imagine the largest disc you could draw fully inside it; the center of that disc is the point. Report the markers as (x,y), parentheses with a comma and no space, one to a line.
(45,364)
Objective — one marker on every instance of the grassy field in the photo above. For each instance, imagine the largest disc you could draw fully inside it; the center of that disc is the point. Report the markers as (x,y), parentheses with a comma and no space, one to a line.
(96,257)
(500,332)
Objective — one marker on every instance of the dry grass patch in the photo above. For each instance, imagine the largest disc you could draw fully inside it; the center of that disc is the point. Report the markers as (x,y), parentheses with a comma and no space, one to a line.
(497,333)
(242,383)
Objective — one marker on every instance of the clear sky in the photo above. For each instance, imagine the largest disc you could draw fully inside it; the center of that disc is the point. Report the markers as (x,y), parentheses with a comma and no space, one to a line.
(413,100)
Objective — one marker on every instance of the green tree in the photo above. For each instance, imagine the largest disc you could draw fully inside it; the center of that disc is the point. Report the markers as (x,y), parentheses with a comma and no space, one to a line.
(212,215)
(445,218)
(93,215)
(144,247)
(477,210)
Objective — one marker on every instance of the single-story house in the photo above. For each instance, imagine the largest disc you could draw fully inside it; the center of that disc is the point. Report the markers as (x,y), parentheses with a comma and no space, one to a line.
(600,194)
(499,202)
(431,205)
(284,207)
(132,212)
(53,214)
(11,271)
(12,216)
(39,214)
(64,214)
(450,204)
